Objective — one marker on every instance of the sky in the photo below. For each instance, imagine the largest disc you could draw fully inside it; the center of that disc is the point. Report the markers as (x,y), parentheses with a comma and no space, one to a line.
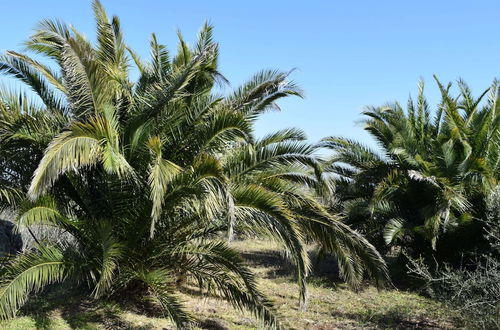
(347,54)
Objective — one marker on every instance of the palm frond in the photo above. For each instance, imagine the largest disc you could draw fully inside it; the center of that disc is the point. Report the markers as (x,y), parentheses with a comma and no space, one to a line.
(29,273)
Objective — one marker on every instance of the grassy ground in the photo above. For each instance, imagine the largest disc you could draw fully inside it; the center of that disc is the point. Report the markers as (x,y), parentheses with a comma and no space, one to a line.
(330,306)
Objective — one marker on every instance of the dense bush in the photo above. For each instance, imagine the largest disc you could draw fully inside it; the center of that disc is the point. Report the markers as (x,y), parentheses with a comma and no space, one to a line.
(423,191)
(472,288)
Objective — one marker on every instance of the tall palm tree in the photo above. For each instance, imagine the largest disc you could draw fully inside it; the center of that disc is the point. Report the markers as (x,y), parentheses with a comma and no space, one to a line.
(147,178)
(431,176)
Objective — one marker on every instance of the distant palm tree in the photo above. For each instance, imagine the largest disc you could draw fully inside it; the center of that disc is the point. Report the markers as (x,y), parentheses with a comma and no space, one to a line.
(431,176)
(144,177)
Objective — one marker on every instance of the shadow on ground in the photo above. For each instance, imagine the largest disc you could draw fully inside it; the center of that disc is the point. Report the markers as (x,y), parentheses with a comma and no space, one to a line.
(324,268)
(391,319)
(75,311)
(64,307)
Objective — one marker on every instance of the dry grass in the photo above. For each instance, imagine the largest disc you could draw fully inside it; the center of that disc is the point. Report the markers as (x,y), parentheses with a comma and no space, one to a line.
(331,306)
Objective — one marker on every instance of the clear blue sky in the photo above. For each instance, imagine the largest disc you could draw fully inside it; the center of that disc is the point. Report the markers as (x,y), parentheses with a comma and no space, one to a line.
(348,53)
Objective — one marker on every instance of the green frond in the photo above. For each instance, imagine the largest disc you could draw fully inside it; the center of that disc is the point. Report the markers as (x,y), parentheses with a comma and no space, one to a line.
(51,76)
(69,151)
(83,86)
(141,66)
(48,38)
(288,134)
(10,195)
(112,252)
(161,94)
(161,173)
(393,229)
(84,145)
(160,60)
(356,256)
(160,285)
(36,76)
(28,273)
(223,128)
(268,211)
(262,92)
(110,43)
(184,55)
(43,211)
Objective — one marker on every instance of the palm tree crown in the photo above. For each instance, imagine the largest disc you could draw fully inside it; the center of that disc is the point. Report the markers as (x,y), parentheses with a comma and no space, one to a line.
(429,173)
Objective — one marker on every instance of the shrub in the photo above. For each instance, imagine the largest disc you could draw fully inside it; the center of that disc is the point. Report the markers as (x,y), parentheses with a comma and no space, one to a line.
(473,288)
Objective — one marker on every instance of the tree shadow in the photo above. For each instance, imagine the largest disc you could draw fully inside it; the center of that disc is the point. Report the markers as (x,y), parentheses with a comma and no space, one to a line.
(324,268)
(77,311)
(391,319)
(211,324)
(274,263)
(40,308)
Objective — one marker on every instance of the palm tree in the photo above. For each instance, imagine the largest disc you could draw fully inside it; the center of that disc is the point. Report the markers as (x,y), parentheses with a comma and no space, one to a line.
(277,185)
(431,176)
(145,177)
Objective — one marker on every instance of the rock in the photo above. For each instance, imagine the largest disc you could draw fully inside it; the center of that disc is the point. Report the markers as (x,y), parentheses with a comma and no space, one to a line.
(10,241)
